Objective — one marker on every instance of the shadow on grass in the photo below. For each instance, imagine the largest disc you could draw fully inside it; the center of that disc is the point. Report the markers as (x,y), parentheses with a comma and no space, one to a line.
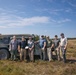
(71,61)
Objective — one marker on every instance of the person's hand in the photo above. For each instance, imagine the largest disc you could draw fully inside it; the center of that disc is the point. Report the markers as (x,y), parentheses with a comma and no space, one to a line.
(19,51)
(9,49)
(35,42)
(65,47)
(43,48)
(58,47)
(30,49)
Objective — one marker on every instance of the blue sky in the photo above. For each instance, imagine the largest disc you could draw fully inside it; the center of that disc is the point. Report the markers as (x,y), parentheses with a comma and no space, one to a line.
(47,17)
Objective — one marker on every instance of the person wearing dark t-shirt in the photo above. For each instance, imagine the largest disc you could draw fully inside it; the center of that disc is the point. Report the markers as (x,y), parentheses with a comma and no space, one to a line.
(21,48)
(56,42)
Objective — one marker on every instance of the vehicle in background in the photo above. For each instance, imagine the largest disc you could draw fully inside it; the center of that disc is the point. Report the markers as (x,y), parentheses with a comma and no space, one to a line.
(4,45)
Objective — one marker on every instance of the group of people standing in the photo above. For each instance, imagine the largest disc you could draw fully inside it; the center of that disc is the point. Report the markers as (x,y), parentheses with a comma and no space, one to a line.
(46,45)
(22,47)
(58,46)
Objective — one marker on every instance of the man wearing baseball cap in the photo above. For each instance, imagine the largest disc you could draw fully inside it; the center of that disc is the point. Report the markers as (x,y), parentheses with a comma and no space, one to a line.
(56,42)
(63,46)
(42,45)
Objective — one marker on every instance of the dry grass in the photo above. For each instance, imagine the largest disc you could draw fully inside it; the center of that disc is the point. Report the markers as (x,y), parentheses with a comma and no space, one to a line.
(40,67)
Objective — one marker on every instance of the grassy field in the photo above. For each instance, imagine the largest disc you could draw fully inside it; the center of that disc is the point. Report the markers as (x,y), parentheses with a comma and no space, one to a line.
(42,68)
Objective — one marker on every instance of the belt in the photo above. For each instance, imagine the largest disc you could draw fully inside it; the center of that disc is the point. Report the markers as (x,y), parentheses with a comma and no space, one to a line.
(48,47)
(22,48)
(62,46)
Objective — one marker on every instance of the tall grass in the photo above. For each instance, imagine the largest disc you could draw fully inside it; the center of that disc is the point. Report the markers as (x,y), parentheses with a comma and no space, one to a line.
(41,67)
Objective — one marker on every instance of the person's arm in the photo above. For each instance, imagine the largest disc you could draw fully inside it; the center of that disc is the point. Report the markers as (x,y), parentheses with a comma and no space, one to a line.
(10,46)
(44,45)
(32,46)
(28,45)
(19,47)
(52,46)
(65,44)
(59,44)
(36,42)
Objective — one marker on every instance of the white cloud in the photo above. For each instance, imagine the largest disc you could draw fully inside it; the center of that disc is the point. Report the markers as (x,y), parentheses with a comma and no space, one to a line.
(57,12)
(64,20)
(13,21)
(72,4)
(3,27)
(10,20)
(51,1)
(68,10)
(50,10)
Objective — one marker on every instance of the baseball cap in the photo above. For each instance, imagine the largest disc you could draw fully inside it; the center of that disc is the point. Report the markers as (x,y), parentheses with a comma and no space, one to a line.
(56,36)
(62,34)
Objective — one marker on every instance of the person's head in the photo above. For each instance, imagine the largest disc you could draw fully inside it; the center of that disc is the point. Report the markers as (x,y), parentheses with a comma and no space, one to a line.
(47,37)
(23,38)
(14,37)
(30,38)
(42,37)
(56,37)
(62,35)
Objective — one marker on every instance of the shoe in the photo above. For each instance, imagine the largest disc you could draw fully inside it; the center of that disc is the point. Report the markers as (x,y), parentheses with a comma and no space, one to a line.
(20,60)
(51,60)
(25,61)
(64,61)
(32,61)
(59,59)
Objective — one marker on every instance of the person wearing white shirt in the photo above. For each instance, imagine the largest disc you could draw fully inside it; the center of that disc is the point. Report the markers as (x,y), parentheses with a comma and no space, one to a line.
(63,46)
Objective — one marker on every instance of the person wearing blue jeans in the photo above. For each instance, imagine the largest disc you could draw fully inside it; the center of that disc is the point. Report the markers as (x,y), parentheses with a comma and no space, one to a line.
(42,44)
(63,46)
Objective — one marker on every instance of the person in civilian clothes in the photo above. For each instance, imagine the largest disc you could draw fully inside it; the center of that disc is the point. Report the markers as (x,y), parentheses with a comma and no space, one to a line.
(56,42)
(63,46)
(49,51)
(42,44)
(31,49)
(13,47)
(21,48)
